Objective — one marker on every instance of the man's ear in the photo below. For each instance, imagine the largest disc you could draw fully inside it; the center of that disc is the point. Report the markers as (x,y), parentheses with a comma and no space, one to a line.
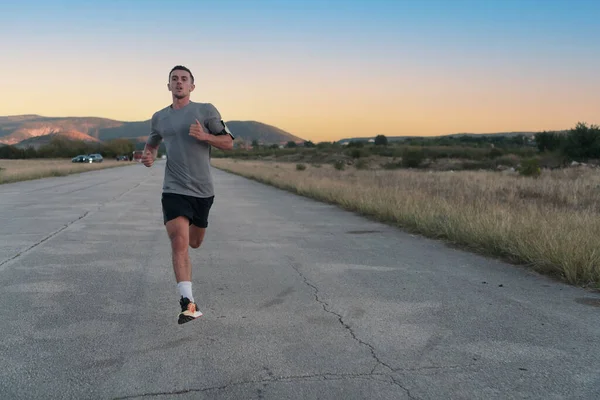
(169,86)
(192,87)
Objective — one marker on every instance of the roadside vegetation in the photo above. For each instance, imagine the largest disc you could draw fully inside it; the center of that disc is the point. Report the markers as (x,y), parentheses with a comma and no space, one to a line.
(54,159)
(532,201)
(63,148)
(23,170)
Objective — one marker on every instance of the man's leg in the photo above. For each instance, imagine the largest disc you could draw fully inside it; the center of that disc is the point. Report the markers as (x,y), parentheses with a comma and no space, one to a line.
(196,235)
(178,232)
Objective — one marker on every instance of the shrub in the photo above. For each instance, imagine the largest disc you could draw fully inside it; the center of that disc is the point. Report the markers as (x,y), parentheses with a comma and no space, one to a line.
(356,143)
(381,140)
(495,152)
(412,158)
(552,160)
(339,165)
(530,167)
(356,153)
(582,142)
(300,167)
(548,141)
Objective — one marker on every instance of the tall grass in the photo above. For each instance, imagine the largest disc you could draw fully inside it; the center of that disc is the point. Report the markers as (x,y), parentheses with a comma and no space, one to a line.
(550,223)
(28,169)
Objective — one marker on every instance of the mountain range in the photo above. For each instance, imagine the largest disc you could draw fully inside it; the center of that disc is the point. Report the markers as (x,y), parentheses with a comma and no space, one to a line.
(36,130)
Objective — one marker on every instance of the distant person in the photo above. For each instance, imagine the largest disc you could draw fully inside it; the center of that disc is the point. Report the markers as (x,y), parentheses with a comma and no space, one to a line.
(189,129)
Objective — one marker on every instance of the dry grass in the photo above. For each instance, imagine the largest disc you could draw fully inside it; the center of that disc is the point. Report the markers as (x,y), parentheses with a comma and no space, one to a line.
(22,170)
(551,223)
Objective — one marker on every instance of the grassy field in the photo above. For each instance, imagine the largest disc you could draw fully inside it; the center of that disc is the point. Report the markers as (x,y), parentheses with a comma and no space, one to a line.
(550,223)
(22,170)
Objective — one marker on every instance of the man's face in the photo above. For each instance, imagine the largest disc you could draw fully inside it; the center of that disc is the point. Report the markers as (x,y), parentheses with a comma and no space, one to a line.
(180,84)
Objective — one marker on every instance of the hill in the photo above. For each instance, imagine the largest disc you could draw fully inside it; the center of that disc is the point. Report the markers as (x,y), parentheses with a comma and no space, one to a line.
(16,129)
(253,130)
(38,141)
(34,130)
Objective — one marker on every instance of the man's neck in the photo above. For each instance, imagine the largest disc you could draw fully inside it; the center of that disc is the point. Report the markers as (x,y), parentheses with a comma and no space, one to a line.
(180,103)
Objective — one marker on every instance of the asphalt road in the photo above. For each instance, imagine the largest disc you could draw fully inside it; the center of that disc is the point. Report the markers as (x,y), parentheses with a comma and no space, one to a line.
(302,301)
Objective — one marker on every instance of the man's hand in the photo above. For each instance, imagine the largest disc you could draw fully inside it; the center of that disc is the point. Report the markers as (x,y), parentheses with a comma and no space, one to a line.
(148,157)
(197,131)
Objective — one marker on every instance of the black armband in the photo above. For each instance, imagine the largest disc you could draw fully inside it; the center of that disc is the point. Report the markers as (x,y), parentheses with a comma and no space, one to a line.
(218,127)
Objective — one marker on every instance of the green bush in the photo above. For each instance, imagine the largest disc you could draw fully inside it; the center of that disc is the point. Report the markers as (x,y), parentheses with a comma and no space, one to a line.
(582,142)
(412,158)
(339,165)
(300,167)
(359,152)
(496,152)
(381,140)
(549,141)
(530,167)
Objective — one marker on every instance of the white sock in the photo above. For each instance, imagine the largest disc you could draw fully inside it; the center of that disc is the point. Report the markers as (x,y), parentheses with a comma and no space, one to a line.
(185,289)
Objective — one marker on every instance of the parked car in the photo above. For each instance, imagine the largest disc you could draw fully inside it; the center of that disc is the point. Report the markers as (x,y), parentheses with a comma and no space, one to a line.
(95,158)
(80,158)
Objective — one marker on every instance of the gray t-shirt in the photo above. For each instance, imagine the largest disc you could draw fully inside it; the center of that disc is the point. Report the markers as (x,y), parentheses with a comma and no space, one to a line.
(188,159)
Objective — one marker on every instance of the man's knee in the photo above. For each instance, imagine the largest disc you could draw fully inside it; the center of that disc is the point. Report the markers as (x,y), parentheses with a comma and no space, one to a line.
(178,234)
(196,236)
(195,243)
(178,242)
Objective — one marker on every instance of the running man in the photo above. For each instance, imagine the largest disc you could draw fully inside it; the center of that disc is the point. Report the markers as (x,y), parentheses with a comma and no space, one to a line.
(189,129)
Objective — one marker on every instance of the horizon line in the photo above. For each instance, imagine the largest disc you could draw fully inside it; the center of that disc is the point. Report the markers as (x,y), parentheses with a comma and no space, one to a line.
(309,140)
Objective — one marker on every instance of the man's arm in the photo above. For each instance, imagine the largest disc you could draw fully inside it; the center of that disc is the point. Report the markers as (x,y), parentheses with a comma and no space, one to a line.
(151,149)
(213,131)
(220,135)
(223,142)
(152,144)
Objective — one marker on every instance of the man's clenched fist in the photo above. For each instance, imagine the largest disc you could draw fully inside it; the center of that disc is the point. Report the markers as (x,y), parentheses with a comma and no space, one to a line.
(197,131)
(148,158)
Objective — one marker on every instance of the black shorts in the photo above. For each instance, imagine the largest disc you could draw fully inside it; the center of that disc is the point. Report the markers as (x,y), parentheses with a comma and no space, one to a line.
(196,209)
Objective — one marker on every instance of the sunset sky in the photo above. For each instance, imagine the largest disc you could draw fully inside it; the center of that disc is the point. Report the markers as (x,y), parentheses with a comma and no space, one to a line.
(323,70)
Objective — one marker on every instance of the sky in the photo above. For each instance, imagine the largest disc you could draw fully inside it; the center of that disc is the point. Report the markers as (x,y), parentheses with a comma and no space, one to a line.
(322,70)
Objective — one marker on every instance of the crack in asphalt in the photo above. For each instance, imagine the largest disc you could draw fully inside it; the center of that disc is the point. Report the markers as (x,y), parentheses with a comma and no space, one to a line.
(68,224)
(325,306)
(19,254)
(372,375)
(308,378)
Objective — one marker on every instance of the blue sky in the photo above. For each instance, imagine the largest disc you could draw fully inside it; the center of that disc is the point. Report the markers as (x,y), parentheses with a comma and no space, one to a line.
(428,56)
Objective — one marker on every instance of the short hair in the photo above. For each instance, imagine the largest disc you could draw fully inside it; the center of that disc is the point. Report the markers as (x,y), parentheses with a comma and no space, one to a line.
(181,68)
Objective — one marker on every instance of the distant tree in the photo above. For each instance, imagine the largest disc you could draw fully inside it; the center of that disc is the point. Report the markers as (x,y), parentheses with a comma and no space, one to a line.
(324,145)
(582,142)
(548,141)
(381,140)
(309,143)
(519,139)
(118,147)
(255,144)
(291,144)
(356,143)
